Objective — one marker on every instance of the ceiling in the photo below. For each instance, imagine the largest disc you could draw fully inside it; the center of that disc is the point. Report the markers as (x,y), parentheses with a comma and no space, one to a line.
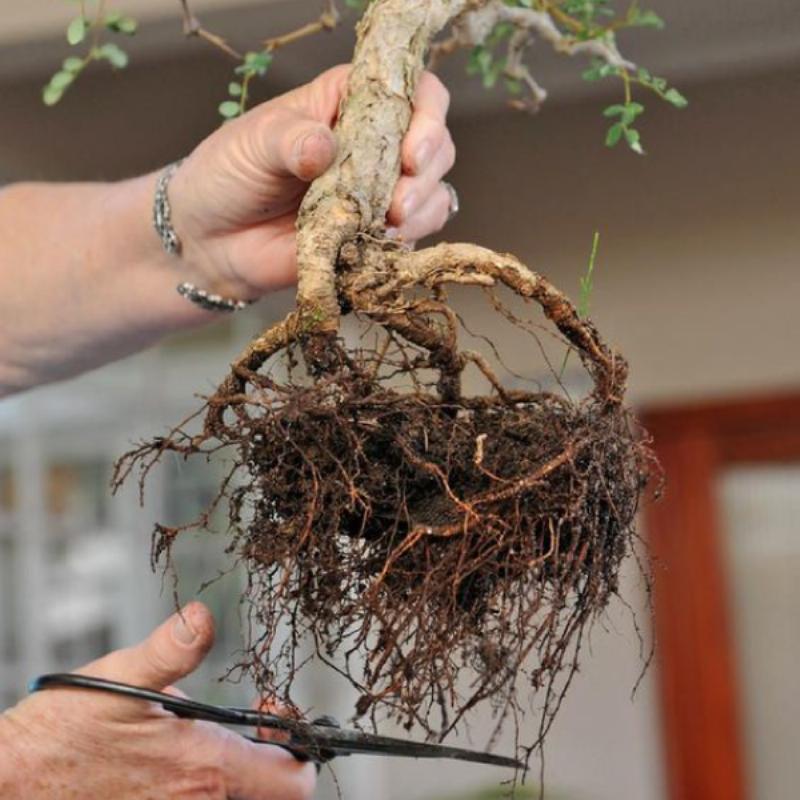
(703,39)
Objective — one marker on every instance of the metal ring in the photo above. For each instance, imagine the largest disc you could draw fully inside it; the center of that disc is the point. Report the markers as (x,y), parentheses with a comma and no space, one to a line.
(455,202)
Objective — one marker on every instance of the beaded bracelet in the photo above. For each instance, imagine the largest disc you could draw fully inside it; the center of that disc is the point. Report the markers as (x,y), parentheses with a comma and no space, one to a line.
(162,222)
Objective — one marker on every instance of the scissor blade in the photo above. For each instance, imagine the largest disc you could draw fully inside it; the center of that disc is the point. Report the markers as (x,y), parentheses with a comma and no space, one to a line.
(351,742)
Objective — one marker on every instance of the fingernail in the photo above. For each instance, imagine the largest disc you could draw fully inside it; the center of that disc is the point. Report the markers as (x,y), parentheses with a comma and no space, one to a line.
(423,155)
(308,151)
(182,630)
(303,142)
(393,233)
(409,204)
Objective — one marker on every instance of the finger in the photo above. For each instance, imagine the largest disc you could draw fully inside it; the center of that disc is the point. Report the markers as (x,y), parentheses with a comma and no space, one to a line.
(411,193)
(267,255)
(263,772)
(171,652)
(285,144)
(428,128)
(432,98)
(430,219)
(321,98)
(274,707)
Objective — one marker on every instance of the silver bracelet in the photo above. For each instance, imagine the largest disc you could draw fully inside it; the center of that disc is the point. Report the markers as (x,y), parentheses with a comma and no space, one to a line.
(162,212)
(211,302)
(162,222)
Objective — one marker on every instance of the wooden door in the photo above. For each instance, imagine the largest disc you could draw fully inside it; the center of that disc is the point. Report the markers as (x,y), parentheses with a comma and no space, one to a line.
(703,699)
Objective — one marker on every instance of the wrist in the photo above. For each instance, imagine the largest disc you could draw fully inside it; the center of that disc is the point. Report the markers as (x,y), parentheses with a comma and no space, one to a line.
(176,251)
(12,766)
(131,244)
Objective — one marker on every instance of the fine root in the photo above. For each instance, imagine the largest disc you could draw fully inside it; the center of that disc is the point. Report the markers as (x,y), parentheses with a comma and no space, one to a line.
(437,549)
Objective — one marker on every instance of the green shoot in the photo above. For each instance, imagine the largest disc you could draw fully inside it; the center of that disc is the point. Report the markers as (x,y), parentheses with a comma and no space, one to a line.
(90,29)
(587,289)
(253,65)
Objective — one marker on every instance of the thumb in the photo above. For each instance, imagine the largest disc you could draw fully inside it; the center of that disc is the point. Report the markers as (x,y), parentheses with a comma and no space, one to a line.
(289,144)
(174,649)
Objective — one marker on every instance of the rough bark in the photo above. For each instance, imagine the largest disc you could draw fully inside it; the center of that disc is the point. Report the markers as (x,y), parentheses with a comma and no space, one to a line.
(354,195)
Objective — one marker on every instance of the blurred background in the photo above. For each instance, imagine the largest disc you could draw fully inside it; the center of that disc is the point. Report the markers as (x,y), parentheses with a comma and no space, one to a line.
(697,281)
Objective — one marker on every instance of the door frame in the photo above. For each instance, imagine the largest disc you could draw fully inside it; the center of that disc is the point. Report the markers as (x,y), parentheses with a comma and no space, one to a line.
(697,671)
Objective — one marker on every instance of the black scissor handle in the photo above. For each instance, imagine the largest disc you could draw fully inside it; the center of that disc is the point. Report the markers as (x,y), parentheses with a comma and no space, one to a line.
(192,709)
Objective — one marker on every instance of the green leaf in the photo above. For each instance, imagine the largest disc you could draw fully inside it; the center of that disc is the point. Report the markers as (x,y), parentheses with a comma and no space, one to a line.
(676,98)
(659,84)
(72,64)
(62,79)
(121,24)
(614,111)
(235,89)
(501,31)
(257,63)
(492,75)
(51,94)
(229,109)
(599,70)
(645,19)
(634,140)
(614,134)
(631,111)
(514,86)
(480,61)
(77,30)
(114,54)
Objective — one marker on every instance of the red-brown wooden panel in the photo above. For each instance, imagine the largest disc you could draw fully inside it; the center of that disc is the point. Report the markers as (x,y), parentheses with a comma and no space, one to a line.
(696,655)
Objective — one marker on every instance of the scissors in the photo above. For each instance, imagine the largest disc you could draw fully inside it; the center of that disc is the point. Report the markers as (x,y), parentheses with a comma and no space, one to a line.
(319,741)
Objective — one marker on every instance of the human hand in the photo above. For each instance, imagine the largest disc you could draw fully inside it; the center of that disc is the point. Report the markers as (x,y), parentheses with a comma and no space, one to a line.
(234,200)
(77,744)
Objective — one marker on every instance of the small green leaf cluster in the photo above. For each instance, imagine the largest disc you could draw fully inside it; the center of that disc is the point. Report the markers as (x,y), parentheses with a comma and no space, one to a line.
(598,18)
(254,64)
(660,86)
(484,61)
(627,112)
(581,21)
(640,18)
(589,12)
(78,31)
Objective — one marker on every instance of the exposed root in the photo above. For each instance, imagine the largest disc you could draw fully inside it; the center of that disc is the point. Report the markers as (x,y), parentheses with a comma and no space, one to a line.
(438,550)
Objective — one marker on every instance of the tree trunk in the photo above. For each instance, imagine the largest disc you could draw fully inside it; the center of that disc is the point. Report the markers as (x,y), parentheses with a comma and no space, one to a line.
(354,195)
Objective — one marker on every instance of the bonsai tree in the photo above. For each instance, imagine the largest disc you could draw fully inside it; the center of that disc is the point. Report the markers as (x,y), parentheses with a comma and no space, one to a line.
(437,548)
